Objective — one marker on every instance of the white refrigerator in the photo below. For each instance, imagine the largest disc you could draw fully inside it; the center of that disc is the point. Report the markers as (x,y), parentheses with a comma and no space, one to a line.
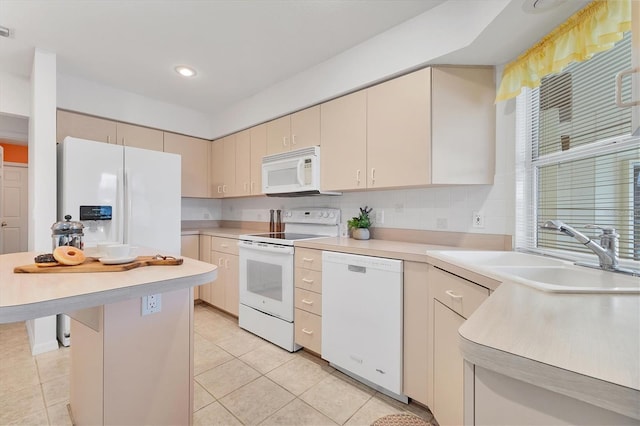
(121,194)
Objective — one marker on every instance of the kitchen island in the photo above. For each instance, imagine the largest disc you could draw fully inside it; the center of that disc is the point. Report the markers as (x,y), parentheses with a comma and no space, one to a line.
(126,368)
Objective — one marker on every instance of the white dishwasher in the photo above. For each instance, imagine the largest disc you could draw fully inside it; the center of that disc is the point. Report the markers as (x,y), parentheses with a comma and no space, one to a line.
(362,319)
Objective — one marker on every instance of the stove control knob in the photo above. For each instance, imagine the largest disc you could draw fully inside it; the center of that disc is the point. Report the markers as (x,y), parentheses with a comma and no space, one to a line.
(332,215)
(325,214)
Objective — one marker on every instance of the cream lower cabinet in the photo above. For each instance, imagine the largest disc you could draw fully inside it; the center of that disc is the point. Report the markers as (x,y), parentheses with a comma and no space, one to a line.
(452,300)
(84,127)
(308,299)
(499,400)
(416,357)
(190,247)
(195,162)
(224,292)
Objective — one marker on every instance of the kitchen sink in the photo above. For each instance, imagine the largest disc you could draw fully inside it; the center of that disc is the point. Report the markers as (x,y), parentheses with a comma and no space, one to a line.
(570,279)
(541,272)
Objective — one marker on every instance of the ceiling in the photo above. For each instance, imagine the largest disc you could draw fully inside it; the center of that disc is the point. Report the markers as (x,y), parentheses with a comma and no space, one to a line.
(238,47)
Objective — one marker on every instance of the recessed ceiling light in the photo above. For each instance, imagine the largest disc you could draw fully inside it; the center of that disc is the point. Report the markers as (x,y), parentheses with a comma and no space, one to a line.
(185,71)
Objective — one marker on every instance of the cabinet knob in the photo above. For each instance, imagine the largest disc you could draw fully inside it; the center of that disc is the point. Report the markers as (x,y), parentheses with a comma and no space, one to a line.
(284,141)
(293,139)
(358,176)
(4,223)
(305,331)
(373,175)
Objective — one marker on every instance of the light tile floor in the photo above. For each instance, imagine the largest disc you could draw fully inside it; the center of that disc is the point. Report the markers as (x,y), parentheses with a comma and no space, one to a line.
(240,379)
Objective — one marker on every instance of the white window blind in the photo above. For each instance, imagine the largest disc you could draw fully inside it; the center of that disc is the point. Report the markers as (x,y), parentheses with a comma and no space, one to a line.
(577,161)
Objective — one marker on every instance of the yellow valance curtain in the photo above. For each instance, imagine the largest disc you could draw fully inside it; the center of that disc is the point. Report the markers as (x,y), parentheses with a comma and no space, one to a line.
(591,30)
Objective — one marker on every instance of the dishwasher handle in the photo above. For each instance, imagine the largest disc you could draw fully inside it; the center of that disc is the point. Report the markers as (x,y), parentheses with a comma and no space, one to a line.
(355,268)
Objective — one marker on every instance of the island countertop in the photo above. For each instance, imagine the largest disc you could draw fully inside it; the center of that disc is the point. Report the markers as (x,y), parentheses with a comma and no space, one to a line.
(27,296)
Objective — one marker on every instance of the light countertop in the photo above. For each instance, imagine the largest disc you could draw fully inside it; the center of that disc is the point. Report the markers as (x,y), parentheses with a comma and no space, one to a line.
(221,232)
(28,296)
(586,346)
(381,248)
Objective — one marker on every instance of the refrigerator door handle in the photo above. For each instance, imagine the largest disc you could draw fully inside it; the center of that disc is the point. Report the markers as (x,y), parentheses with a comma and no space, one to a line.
(120,206)
(127,207)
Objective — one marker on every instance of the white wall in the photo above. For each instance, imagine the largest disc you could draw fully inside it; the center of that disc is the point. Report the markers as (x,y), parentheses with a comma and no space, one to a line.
(92,98)
(15,95)
(404,47)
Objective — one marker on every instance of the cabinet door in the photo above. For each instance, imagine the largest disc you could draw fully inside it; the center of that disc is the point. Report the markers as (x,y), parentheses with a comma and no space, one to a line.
(258,150)
(447,366)
(305,128)
(463,125)
(205,256)
(398,131)
(416,371)
(218,286)
(190,247)
(243,163)
(279,135)
(229,166)
(231,290)
(216,167)
(84,127)
(344,142)
(195,162)
(140,137)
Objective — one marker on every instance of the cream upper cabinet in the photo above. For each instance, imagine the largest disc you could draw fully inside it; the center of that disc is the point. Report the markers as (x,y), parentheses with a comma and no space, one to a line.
(305,128)
(229,166)
(435,126)
(84,127)
(216,169)
(139,137)
(279,135)
(258,150)
(398,131)
(463,128)
(295,131)
(195,162)
(243,163)
(343,130)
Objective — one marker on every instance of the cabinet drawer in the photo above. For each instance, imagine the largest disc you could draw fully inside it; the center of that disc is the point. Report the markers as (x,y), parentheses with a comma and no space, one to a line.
(460,295)
(308,301)
(224,245)
(309,259)
(309,330)
(308,279)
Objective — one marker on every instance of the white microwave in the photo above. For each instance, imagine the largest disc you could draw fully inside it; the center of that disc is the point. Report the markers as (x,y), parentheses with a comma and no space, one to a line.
(293,174)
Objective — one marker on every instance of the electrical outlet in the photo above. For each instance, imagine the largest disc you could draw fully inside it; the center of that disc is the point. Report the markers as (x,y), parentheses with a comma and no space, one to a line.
(151,304)
(441,223)
(379,217)
(478,220)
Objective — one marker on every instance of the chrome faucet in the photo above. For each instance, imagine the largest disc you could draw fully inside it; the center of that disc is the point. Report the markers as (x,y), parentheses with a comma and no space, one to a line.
(607,250)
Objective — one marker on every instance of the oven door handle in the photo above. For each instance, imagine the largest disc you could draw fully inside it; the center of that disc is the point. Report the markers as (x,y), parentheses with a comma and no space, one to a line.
(265,247)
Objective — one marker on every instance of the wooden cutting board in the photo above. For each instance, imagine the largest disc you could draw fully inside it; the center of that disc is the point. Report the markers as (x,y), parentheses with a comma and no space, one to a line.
(92,264)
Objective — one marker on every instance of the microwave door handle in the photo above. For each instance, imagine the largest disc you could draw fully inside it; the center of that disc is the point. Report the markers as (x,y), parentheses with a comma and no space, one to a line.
(301,172)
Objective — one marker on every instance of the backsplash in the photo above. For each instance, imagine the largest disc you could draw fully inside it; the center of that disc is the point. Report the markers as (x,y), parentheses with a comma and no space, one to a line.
(201,209)
(441,208)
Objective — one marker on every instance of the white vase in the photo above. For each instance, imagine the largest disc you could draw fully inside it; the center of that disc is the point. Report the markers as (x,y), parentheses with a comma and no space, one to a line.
(361,233)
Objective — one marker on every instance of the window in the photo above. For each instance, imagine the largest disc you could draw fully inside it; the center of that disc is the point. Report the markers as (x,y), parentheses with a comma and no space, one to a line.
(576,159)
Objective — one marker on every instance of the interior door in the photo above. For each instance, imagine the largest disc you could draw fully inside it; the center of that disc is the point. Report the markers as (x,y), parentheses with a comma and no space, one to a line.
(14,209)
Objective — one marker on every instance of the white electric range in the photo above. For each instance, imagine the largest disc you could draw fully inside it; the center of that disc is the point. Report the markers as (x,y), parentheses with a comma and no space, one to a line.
(266,273)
